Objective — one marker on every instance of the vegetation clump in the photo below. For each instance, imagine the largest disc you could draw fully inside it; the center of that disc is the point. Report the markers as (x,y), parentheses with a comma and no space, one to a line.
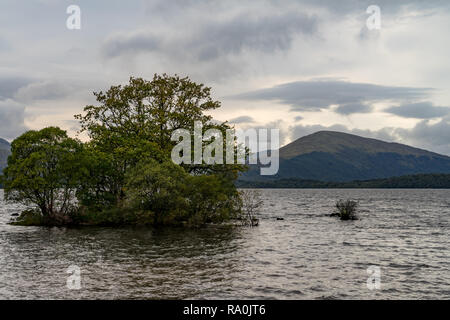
(251,205)
(124,173)
(346,210)
(29,217)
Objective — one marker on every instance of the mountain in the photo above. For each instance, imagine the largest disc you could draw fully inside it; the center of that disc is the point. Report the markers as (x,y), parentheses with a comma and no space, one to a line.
(5,150)
(340,157)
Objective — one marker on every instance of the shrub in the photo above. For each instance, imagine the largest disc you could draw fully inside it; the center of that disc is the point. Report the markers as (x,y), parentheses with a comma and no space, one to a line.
(251,204)
(176,197)
(346,210)
(30,217)
(212,198)
(158,188)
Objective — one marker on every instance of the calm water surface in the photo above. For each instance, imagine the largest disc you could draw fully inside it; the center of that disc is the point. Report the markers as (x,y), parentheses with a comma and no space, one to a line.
(308,255)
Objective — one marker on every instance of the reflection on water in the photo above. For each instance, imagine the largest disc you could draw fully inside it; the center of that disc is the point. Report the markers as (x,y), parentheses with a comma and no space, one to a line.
(306,255)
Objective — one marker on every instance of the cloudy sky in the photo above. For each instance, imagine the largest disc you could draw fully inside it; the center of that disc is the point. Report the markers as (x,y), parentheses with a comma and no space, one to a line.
(300,66)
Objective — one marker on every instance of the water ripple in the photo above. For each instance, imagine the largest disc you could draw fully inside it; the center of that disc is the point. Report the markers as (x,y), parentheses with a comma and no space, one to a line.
(308,255)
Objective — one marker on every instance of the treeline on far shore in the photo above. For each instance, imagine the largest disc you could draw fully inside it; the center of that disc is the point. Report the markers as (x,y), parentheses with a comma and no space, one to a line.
(418,181)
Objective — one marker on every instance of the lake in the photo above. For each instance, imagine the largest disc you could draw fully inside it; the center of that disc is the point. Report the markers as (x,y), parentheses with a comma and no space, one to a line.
(308,255)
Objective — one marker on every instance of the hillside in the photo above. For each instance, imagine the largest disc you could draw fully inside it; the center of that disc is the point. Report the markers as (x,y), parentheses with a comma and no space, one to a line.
(338,142)
(339,157)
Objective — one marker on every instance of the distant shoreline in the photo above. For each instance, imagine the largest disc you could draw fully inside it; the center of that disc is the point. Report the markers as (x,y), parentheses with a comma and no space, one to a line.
(419,181)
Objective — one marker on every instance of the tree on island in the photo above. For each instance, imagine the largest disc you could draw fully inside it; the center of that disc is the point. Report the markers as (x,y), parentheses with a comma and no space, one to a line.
(124,173)
(44,170)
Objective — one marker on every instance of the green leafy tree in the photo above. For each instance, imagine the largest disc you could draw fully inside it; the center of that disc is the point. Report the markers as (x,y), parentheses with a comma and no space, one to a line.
(146,113)
(174,196)
(148,110)
(104,185)
(44,170)
(159,188)
(212,198)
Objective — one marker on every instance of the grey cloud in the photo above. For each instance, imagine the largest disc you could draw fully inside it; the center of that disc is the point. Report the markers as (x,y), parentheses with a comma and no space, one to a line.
(283,130)
(276,124)
(321,94)
(347,109)
(12,115)
(219,39)
(214,39)
(175,6)
(341,7)
(45,90)
(4,44)
(73,125)
(242,119)
(421,110)
(368,35)
(264,34)
(9,85)
(280,125)
(388,7)
(426,134)
(136,42)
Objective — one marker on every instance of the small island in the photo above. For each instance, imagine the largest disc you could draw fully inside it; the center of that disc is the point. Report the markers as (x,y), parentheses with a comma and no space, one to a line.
(123,173)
